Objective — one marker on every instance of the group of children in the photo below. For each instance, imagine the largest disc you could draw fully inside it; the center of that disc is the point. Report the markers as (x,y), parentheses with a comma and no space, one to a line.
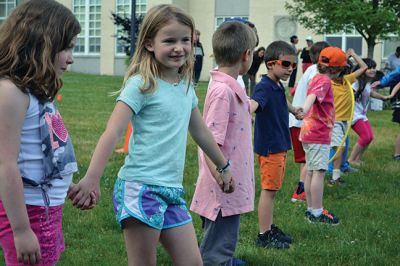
(159,100)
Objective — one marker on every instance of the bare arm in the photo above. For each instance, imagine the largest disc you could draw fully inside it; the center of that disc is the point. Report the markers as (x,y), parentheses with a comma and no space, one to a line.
(13,107)
(203,137)
(363,66)
(253,106)
(379,96)
(395,90)
(309,102)
(116,126)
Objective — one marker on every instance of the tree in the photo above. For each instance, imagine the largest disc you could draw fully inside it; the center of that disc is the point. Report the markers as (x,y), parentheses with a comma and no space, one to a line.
(124,29)
(372,19)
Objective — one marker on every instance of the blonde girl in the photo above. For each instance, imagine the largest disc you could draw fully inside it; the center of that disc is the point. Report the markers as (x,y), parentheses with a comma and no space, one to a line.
(36,155)
(159,99)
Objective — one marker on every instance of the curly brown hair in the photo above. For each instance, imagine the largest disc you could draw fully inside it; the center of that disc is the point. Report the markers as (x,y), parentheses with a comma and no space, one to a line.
(30,39)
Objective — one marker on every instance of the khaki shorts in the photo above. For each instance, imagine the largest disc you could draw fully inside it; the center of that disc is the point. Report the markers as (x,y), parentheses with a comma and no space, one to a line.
(272,170)
(338,132)
(317,156)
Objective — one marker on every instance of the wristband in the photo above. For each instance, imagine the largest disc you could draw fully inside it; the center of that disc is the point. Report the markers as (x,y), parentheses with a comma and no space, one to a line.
(225,168)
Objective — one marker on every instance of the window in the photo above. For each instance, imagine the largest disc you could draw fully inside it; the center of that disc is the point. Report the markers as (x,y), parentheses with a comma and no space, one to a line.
(390,45)
(5,8)
(123,8)
(346,40)
(220,19)
(88,13)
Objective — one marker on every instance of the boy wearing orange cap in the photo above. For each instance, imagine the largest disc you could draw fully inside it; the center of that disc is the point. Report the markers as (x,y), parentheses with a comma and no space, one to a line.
(315,133)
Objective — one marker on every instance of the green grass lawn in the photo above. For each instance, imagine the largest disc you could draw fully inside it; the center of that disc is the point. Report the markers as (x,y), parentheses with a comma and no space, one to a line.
(368,205)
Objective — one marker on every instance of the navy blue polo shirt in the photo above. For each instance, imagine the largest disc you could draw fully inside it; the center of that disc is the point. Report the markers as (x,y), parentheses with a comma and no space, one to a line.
(271,131)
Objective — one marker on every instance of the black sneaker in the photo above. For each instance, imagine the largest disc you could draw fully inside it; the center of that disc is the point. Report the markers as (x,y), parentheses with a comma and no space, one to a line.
(281,235)
(307,214)
(269,240)
(396,157)
(338,181)
(326,217)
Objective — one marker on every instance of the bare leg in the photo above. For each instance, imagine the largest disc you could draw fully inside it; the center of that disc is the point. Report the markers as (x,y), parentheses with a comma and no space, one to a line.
(141,243)
(356,153)
(181,243)
(317,189)
(266,209)
(307,187)
(338,159)
(303,172)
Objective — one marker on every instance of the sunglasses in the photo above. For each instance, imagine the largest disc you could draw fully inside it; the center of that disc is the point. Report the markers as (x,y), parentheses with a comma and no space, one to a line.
(283,63)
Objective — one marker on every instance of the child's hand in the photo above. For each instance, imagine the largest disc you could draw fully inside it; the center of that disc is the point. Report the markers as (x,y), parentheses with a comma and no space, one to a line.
(27,246)
(84,195)
(375,84)
(350,52)
(226,182)
(387,97)
(299,113)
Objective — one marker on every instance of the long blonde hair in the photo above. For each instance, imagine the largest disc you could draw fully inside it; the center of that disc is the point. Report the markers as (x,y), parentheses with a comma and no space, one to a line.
(30,38)
(143,61)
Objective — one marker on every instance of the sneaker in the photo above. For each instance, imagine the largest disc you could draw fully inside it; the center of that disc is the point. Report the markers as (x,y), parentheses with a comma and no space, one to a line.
(350,170)
(338,181)
(281,235)
(326,217)
(270,240)
(238,262)
(307,214)
(396,157)
(298,197)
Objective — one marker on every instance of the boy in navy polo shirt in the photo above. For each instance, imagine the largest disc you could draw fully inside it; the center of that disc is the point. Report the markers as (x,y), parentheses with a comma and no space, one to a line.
(272,137)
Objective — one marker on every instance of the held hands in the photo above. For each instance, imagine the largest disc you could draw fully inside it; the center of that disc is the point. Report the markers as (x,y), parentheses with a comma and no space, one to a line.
(225,181)
(27,246)
(350,52)
(85,195)
(299,113)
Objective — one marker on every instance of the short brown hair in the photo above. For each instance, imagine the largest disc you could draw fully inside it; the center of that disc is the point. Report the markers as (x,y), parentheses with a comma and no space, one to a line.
(230,41)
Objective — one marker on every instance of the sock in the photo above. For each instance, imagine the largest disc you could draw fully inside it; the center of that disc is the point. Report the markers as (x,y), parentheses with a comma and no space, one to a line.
(317,212)
(336,174)
(300,187)
(309,209)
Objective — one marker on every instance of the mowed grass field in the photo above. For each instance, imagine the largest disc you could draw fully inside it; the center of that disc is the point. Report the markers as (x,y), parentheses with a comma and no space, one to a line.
(368,205)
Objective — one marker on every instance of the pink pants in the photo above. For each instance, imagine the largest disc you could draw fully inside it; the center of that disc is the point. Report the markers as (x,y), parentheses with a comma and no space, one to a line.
(49,234)
(364,131)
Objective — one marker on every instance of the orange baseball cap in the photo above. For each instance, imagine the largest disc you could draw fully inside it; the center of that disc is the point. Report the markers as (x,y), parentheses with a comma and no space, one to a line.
(332,57)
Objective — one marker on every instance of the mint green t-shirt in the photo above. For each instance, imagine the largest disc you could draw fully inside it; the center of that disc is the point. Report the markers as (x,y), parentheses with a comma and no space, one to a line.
(160,122)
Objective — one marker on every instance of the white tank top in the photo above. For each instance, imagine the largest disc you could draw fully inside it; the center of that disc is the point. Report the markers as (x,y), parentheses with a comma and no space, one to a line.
(30,161)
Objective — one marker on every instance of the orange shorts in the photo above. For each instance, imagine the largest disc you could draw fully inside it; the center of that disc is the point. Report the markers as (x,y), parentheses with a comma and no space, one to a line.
(272,170)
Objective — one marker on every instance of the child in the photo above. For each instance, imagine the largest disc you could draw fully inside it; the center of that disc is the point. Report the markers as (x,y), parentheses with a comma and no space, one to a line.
(161,103)
(342,100)
(391,80)
(36,46)
(272,137)
(360,123)
(315,133)
(295,125)
(227,115)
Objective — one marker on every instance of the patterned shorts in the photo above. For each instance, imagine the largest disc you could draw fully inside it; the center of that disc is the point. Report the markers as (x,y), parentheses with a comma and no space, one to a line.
(49,234)
(157,206)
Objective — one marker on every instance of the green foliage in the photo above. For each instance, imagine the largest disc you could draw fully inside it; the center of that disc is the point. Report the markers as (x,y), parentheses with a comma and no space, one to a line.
(373,19)
(367,205)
